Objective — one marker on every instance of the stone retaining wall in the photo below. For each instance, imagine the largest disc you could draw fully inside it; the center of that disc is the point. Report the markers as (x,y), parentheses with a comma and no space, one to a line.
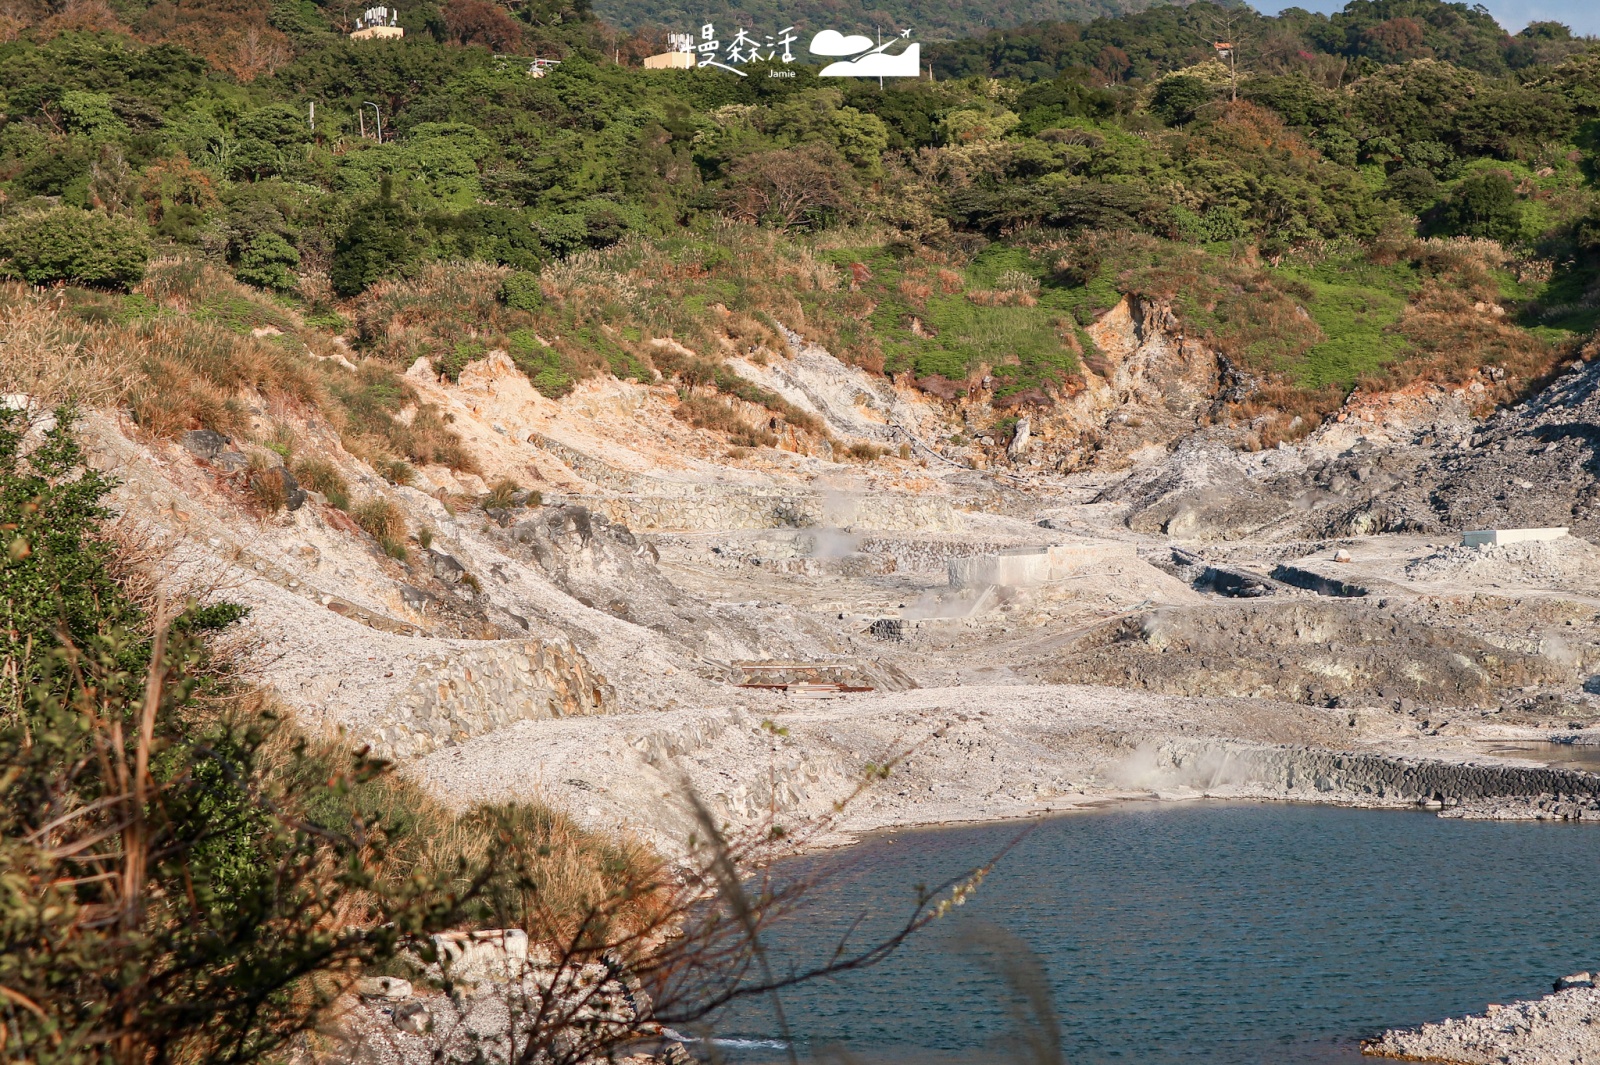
(1301,772)
(1026,567)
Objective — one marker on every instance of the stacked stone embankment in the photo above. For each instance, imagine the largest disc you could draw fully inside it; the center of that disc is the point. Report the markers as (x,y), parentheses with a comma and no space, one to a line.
(1296,772)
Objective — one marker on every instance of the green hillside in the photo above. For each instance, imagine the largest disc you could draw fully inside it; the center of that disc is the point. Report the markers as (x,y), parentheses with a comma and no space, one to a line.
(932,20)
(1343,214)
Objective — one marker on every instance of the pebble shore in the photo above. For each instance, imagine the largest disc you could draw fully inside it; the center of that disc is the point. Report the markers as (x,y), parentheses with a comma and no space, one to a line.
(1560,1029)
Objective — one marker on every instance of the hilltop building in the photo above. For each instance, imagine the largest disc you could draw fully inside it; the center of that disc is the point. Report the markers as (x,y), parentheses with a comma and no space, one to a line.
(681,55)
(377,22)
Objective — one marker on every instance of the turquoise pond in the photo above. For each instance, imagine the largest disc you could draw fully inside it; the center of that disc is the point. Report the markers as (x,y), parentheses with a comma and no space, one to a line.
(1236,933)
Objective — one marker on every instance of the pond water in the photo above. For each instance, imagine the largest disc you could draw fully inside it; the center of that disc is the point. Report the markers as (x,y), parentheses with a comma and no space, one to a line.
(1202,934)
(1585,757)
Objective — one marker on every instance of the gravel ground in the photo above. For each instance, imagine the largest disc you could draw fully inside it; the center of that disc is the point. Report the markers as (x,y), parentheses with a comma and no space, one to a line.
(1559,1029)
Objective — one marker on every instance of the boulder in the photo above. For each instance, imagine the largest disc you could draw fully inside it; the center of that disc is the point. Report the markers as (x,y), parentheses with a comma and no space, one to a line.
(231,462)
(1584,979)
(204,444)
(474,957)
(388,988)
(412,1018)
(415,598)
(445,567)
(1020,438)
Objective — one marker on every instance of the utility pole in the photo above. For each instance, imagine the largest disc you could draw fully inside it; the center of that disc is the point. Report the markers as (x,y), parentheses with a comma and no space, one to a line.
(312,120)
(1226,49)
(1222,30)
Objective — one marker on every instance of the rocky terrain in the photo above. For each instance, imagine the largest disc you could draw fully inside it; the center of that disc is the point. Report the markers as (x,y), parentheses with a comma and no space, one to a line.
(1560,1027)
(648,607)
(1118,600)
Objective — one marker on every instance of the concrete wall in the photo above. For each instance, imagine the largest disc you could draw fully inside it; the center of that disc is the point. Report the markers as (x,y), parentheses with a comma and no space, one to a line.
(1029,567)
(1511,536)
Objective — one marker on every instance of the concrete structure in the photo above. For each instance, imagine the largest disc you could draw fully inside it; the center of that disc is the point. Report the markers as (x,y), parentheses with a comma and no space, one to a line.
(670,61)
(1027,567)
(1511,536)
(378,22)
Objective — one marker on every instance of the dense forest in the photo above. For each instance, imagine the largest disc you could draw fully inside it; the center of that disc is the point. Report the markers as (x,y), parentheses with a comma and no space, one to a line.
(1326,203)
(933,20)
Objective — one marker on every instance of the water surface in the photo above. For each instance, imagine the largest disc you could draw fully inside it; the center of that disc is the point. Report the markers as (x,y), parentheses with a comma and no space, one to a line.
(1585,757)
(1201,934)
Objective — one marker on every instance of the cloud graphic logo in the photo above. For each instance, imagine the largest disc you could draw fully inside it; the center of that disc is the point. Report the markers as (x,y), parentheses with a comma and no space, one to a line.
(832,42)
(878,64)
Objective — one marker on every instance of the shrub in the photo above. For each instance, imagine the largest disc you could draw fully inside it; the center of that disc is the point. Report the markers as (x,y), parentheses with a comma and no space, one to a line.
(707,412)
(179,910)
(1178,97)
(268,488)
(1483,205)
(381,519)
(83,247)
(320,475)
(520,291)
(542,364)
(396,471)
(380,242)
(268,262)
(502,494)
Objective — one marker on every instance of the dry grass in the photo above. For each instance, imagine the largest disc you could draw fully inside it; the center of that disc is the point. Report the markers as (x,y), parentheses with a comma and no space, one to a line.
(380,519)
(444,305)
(722,416)
(547,872)
(321,475)
(183,352)
(266,486)
(1451,324)
(53,357)
(570,874)
(380,419)
(193,374)
(502,494)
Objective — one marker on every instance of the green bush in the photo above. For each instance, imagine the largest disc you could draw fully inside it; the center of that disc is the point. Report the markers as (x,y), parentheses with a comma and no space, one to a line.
(268,262)
(521,291)
(379,243)
(83,247)
(188,911)
(1483,205)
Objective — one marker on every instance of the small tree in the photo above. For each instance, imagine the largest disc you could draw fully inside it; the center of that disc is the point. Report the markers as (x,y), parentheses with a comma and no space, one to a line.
(268,261)
(83,247)
(806,187)
(1483,205)
(379,243)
